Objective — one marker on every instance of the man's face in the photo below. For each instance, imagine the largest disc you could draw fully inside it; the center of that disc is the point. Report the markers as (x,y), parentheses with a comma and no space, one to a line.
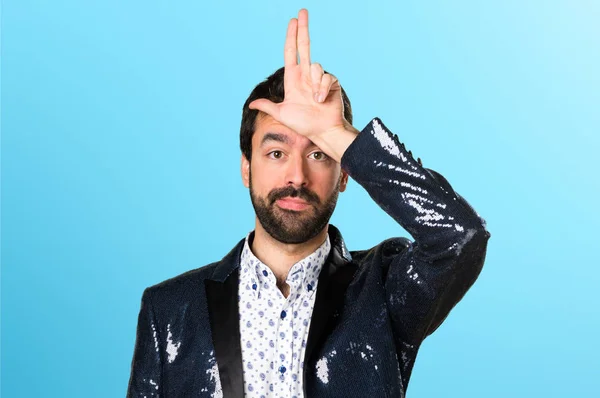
(293,185)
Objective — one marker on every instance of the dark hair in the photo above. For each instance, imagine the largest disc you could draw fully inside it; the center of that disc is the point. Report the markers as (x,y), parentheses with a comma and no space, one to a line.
(272,89)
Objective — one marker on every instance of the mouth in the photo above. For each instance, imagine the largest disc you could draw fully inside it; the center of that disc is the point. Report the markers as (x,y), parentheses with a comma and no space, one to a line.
(292,204)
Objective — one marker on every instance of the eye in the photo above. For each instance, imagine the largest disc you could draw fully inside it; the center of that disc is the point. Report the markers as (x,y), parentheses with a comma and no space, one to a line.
(275,154)
(319,155)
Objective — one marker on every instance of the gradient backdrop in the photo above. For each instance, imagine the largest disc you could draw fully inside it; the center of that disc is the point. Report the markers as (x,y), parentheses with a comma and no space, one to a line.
(120,168)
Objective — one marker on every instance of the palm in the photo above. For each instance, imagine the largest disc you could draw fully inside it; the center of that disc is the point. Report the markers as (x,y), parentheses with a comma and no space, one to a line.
(299,110)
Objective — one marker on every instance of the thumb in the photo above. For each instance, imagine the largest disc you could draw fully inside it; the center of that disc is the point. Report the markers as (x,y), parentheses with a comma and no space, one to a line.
(266,106)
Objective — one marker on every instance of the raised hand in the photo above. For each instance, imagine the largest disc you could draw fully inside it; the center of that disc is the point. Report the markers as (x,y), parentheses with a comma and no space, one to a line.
(312,104)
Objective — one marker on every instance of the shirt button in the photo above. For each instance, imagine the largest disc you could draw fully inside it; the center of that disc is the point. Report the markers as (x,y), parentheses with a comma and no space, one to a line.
(282,369)
(309,287)
(254,286)
(265,273)
(283,314)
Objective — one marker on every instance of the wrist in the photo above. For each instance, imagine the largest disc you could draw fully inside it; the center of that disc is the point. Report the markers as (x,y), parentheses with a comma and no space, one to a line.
(336,140)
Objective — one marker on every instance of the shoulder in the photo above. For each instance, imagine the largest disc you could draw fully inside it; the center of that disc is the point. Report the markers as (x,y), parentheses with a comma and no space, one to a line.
(189,286)
(386,249)
(189,283)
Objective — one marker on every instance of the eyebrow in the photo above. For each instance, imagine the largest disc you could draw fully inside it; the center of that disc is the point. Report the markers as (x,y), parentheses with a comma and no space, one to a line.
(275,137)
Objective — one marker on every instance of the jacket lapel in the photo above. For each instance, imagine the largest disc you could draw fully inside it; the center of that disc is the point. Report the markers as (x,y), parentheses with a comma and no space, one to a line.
(334,279)
(222,300)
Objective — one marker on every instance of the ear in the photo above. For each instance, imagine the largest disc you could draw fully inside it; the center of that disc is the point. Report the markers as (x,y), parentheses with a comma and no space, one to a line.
(245,171)
(344,180)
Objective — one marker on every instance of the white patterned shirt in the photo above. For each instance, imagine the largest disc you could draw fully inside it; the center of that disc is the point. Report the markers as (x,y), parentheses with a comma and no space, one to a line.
(274,329)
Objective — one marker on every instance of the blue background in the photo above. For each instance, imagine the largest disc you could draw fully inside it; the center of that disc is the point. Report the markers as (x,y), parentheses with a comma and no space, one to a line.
(120,168)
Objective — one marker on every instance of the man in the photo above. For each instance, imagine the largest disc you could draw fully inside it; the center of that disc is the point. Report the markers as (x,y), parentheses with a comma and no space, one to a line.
(290,312)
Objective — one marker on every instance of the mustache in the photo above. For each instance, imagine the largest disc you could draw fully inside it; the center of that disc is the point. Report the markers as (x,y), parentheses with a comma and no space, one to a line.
(302,193)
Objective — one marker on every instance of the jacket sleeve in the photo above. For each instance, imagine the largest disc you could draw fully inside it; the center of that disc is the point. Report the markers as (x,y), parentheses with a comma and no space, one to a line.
(145,379)
(427,277)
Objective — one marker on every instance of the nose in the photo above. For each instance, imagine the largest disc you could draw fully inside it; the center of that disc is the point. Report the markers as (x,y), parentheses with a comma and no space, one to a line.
(296,173)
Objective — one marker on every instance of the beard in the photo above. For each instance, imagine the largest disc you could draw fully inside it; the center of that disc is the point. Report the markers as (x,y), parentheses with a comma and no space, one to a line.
(290,226)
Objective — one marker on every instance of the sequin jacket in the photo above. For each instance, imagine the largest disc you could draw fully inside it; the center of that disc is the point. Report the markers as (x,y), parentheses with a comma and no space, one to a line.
(373,308)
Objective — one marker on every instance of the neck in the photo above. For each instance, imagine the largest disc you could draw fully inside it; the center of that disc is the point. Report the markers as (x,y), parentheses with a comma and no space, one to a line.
(280,257)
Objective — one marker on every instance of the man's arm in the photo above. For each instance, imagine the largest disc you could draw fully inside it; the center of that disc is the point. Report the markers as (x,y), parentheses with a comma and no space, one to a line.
(426,280)
(145,379)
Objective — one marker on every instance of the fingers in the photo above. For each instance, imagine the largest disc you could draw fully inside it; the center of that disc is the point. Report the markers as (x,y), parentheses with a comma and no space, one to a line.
(290,51)
(327,83)
(266,106)
(321,82)
(316,74)
(304,41)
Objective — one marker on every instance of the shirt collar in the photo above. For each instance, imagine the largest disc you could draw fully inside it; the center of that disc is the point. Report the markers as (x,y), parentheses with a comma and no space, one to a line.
(302,277)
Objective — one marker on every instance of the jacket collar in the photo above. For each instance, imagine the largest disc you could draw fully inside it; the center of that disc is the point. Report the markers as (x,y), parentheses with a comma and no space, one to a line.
(339,256)
(222,300)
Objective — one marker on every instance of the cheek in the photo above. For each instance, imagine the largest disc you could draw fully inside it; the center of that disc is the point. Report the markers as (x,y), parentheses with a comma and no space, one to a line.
(326,182)
(262,180)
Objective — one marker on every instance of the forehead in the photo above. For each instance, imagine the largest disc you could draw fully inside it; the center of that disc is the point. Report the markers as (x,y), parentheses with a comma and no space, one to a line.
(266,125)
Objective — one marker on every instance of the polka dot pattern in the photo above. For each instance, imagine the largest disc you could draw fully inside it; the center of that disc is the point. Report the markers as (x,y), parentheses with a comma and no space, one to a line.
(274,329)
